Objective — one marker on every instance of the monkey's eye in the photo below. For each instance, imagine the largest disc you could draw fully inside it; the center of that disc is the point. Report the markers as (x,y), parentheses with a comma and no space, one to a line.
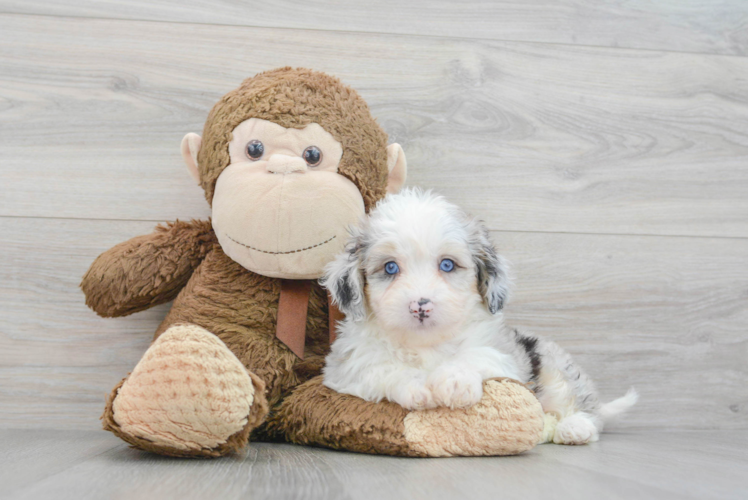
(312,155)
(255,150)
(391,268)
(447,265)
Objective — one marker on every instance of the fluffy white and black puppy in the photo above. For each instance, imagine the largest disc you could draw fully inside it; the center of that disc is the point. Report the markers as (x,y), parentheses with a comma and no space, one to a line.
(422,288)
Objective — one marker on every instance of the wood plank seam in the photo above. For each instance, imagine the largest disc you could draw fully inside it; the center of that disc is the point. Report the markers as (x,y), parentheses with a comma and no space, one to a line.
(376,33)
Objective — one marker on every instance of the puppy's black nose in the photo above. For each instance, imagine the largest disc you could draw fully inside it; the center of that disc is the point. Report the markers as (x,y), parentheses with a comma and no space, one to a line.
(422,308)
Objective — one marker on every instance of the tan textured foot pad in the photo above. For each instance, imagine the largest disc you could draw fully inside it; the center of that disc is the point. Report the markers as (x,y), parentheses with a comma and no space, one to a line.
(188,396)
(507,421)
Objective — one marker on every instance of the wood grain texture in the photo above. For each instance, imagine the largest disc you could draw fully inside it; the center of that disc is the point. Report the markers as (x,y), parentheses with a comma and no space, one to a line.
(664,314)
(31,456)
(531,137)
(615,180)
(681,25)
(698,465)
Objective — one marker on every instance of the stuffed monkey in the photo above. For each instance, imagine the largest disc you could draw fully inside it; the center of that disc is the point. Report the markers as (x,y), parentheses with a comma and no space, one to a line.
(287,161)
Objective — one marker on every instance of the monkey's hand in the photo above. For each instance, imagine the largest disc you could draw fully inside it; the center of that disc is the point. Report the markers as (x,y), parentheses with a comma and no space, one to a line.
(146,270)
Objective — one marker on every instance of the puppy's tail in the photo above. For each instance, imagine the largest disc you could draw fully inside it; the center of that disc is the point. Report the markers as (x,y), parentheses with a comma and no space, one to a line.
(617,407)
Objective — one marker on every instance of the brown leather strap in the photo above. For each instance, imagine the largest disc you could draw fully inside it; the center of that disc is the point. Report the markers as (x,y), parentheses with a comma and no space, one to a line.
(292,309)
(335,317)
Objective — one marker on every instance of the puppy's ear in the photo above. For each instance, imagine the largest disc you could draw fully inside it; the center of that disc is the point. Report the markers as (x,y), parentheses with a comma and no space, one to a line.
(492,271)
(344,280)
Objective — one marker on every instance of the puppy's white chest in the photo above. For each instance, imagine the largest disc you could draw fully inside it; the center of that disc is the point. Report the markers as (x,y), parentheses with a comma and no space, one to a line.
(421,358)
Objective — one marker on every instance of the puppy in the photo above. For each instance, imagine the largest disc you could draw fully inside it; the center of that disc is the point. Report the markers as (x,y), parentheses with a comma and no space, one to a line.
(422,288)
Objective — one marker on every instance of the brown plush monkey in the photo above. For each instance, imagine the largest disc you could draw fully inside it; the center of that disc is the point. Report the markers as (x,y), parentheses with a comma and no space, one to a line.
(287,161)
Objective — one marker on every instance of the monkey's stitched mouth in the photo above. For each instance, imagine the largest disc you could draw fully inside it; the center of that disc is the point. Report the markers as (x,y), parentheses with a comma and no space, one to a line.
(281,253)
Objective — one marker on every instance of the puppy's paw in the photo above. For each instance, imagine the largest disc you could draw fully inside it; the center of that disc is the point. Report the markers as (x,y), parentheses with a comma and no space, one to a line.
(413,395)
(575,429)
(456,388)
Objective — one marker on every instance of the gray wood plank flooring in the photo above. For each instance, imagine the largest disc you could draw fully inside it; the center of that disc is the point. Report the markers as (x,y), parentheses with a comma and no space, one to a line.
(630,313)
(531,137)
(604,143)
(82,465)
(682,25)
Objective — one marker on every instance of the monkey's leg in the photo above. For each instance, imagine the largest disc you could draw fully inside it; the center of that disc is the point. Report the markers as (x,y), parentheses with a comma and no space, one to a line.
(188,396)
(508,420)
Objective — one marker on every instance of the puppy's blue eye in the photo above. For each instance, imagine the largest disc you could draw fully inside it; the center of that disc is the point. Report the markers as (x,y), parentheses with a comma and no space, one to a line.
(447,265)
(391,268)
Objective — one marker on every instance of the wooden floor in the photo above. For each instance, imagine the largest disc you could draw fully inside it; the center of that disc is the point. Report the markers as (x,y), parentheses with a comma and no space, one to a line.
(79,465)
(605,144)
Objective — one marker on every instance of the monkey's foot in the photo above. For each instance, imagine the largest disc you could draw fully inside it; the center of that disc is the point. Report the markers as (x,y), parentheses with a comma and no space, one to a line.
(506,421)
(188,396)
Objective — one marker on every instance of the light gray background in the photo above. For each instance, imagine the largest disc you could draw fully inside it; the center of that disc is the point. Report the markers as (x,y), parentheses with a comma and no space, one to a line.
(604,143)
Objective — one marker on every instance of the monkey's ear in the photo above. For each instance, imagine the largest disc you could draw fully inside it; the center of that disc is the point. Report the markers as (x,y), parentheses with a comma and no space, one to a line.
(397,167)
(344,280)
(190,147)
(492,271)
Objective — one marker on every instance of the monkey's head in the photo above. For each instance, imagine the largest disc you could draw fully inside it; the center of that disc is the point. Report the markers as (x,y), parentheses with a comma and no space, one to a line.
(288,161)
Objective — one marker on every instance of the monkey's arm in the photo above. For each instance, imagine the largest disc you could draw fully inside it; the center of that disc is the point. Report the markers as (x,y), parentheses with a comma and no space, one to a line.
(146,270)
